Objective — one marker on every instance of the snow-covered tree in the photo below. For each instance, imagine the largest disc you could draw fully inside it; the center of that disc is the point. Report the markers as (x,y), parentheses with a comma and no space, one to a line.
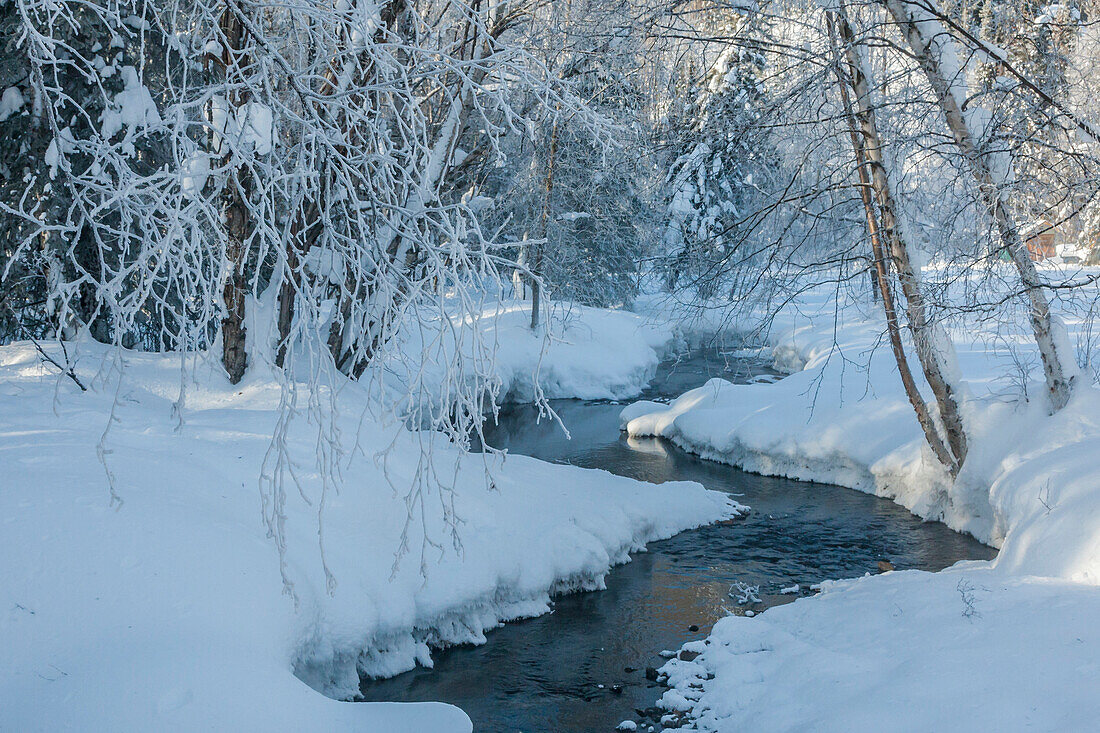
(711,178)
(577,196)
(70,73)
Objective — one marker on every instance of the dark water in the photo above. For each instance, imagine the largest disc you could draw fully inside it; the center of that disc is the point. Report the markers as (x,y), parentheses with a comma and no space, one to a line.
(545,674)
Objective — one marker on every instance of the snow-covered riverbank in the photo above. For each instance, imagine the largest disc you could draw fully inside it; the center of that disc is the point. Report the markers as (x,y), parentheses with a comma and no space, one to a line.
(1007,645)
(965,649)
(166,613)
(592,353)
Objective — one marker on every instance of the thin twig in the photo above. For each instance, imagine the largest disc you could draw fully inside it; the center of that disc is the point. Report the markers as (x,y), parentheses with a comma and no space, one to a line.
(68,372)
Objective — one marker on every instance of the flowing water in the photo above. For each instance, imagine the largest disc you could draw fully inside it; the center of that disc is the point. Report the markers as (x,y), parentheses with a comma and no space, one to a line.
(583,666)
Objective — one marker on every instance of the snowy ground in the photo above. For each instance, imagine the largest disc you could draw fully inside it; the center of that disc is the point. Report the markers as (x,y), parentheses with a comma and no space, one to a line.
(165,613)
(1007,645)
(966,649)
(588,353)
(593,353)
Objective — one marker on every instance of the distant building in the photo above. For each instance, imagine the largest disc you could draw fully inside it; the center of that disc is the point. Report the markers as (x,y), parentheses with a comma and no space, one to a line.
(1041,240)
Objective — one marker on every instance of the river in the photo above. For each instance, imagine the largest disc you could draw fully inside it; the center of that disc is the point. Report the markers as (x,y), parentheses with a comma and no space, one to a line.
(583,666)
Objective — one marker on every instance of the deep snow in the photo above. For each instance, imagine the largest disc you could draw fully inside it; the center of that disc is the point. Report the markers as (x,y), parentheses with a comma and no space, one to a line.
(585,353)
(592,353)
(166,613)
(965,649)
(1006,645)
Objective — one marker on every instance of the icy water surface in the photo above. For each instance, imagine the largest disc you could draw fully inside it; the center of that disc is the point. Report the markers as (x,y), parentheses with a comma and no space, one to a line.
(582,667)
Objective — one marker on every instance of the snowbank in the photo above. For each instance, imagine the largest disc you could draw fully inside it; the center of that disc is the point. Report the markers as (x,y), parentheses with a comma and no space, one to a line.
(580,352)
(965,649)
(165,613)
(843,418)
(868,651)
(593,353)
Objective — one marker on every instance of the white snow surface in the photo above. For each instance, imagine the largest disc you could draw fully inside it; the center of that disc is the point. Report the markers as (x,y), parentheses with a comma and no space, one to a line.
(593,353)
(133,108)
(1006,645)
(11,101)
(579,352)
(166,613)
(965,649)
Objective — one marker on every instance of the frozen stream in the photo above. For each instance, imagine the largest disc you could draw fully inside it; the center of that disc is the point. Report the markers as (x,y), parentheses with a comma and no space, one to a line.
(562,671)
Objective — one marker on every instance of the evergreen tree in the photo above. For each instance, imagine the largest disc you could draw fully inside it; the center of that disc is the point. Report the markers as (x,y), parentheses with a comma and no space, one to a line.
(710,181)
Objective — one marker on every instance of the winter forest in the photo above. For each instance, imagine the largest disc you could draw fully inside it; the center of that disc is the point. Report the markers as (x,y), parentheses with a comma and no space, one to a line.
(521,365)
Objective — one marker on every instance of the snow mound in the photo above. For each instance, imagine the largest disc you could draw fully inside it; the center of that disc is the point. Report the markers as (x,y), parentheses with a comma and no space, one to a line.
(584,353)
(1026,487)
(968,648)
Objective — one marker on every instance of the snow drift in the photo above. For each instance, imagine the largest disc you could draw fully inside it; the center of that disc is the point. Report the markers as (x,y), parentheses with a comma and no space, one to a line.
(580,353)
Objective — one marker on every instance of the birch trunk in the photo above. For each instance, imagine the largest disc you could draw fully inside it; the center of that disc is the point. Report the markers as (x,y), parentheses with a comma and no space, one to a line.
(925,36)
(926,340)
(544,220)
(880,272)
(235,207)
(519,284)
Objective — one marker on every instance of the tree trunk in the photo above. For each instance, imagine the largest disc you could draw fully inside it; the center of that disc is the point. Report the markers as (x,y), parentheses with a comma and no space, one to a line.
(544,220)
(927,49)
(926,340)
(519,289)
(235,207)
(89,262)
(881,274)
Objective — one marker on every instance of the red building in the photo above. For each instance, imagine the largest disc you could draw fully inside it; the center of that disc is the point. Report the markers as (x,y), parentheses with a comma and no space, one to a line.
(1040,240)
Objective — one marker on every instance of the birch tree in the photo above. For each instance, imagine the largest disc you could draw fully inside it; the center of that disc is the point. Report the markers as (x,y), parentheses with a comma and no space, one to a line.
(934,349)
(233,63)
(933,49)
